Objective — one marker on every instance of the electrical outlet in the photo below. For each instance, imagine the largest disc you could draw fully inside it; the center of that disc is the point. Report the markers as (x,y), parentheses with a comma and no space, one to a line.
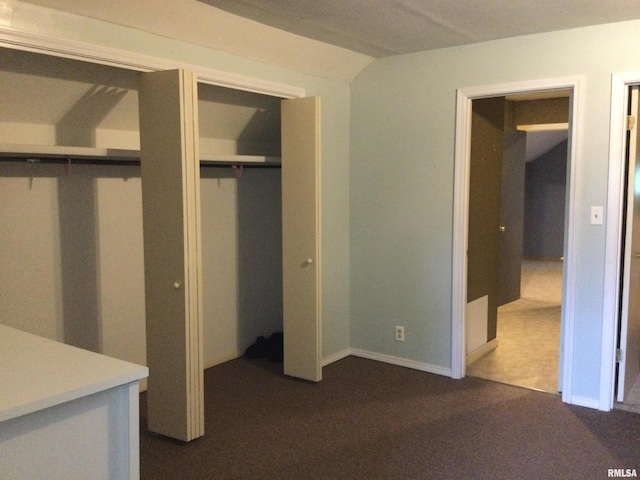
(400,334)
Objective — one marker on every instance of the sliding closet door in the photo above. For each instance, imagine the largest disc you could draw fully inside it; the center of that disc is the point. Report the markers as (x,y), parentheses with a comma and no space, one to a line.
(301,238)
(172,256)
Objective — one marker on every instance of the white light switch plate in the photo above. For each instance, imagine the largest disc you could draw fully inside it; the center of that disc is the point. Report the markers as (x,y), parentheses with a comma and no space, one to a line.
(596,215)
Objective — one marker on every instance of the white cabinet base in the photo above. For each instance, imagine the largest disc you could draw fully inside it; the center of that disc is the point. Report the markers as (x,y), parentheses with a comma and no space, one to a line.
(85,438)
(66,412)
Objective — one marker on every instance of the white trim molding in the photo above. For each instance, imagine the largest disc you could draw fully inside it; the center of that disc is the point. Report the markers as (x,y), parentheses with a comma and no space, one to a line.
(384,358)
(462,160)
(401,362)
(335,357)
(480,352)
(32,42)
(620,83)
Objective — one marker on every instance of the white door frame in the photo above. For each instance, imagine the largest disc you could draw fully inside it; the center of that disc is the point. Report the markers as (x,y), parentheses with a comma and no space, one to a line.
(620,83)
(465,96)
(58,47)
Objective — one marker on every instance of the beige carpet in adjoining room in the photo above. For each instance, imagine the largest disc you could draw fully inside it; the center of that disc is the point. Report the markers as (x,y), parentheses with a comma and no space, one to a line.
(528,332)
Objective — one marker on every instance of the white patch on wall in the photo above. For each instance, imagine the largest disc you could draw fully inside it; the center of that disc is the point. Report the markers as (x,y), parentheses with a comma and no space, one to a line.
(477,323)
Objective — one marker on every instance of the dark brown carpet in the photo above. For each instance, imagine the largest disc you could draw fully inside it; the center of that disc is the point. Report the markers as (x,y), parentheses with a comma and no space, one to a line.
(369,420)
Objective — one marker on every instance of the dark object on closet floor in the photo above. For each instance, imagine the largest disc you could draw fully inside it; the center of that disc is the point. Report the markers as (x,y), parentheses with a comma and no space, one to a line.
(258,349)
(276,347)
(271,348)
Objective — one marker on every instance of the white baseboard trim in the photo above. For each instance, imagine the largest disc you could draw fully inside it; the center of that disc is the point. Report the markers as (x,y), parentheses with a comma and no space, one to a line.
(402,362)
(482,351)
(334,357)
(585,402)
(212,362)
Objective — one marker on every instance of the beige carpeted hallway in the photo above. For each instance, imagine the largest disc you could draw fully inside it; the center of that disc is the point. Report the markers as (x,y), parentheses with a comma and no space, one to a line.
(528,332)
(632,402)
(528,351)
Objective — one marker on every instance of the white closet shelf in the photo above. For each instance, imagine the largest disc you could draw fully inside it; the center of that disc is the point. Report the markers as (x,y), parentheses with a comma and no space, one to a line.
(36,152)
(54,151)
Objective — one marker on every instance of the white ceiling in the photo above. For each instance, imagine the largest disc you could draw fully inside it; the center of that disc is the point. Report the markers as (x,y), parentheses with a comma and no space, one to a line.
(380,28)
(338,38)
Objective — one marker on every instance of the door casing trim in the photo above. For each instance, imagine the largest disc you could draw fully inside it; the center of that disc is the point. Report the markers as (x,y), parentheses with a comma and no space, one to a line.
(462,160)
(620,83)
(59,47)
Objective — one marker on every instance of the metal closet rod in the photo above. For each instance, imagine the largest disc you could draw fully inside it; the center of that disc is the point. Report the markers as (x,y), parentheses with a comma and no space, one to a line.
(123,162)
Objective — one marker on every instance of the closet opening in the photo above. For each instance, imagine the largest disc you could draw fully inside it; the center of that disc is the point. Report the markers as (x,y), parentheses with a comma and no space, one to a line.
(71,242)
(69,160)
(241,223)
(70,194)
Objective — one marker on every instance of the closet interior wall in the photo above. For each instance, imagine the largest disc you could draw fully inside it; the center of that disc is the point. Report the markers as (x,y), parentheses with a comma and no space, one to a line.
(71,244)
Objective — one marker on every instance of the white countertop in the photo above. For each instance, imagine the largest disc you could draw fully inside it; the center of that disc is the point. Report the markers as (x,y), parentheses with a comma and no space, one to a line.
(37,373)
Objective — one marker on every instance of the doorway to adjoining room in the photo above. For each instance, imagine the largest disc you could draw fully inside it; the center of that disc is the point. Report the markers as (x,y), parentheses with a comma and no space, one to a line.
(526,136)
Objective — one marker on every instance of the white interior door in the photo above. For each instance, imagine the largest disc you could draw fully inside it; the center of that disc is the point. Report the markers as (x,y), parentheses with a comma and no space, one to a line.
(170,170)
(301,238)
(629,367)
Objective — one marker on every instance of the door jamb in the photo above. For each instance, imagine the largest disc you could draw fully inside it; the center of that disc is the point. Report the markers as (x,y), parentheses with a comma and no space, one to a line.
(58,47)
(461,210)
(620,83)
